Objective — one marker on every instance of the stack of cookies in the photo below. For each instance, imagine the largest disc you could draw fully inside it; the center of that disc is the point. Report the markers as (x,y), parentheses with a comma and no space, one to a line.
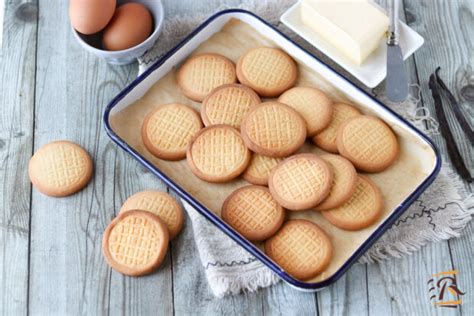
(253,122)
(136,241)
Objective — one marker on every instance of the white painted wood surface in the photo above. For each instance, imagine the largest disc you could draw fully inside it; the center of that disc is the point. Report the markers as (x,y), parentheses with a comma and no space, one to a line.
(50,258)
(17,99)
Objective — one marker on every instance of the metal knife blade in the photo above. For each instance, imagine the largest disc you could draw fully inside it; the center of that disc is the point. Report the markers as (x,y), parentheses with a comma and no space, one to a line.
(396,85)
(397,79)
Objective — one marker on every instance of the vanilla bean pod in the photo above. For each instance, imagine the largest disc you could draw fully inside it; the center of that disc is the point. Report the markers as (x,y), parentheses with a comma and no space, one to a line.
(456,109)
(453,150)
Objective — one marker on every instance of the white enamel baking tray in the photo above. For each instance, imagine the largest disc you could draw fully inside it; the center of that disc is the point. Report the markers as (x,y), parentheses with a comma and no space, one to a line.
(161,67)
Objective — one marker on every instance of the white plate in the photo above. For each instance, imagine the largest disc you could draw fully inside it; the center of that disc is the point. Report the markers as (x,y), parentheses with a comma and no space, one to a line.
(374,68)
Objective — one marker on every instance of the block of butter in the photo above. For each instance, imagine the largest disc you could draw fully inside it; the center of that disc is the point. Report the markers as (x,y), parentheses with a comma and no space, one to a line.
(353,27)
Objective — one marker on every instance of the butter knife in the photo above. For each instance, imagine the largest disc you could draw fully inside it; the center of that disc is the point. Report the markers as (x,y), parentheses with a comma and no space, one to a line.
(396,85)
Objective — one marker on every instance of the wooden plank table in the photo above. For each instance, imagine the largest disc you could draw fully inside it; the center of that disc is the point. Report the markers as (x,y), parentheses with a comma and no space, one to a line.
(50,257)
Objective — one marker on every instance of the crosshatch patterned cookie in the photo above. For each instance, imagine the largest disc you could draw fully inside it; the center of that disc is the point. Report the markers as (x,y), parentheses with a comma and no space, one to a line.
(327,138)
(253,212)
(269,71)
(313,105)
(60,168)
(227,104)
(301,248)
(368,143)
(344,182)
(135,243)
(362,210)
(161,204)
(273,129)
(202,73)
(168,130)
(218,154)
(259,169)
(300,181)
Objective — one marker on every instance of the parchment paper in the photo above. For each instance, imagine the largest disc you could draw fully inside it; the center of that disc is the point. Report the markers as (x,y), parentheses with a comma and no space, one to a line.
(235,38)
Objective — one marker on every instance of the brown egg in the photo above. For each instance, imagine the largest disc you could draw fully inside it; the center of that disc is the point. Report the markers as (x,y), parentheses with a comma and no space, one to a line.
(131,25)
(90,16)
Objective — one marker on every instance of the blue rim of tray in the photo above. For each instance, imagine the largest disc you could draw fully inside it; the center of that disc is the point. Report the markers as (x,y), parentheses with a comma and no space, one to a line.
(216,219)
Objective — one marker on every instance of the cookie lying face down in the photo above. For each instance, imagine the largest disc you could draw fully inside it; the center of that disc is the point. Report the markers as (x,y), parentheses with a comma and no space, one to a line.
(60,168)
(253,212)
(269,71)
(200,74)
(301,248)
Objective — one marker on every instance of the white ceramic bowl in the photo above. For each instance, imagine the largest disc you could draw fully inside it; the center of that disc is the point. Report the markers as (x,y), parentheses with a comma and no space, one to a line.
(93,43)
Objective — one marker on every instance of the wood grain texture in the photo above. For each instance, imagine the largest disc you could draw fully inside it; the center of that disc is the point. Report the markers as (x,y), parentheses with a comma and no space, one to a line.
(391,290)
(462,252)
(181,7)
(68,272)
(399,286)
(449,44)
(394,279)
(281,299)
(17,96)
(65,90)
(348,296)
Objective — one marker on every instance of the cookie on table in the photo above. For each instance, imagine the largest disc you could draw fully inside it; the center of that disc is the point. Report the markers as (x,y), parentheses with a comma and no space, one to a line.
(344,182)
(301,248)
(273,129)
(253,212)
(363,209)
(259,169)
(301,181)
(218,154)
(227,104)
(168,130)
(159,203)
(135,243)
(200,74)
(313,105)
(269,71)
(368,143)
(327,138)
(60,168)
